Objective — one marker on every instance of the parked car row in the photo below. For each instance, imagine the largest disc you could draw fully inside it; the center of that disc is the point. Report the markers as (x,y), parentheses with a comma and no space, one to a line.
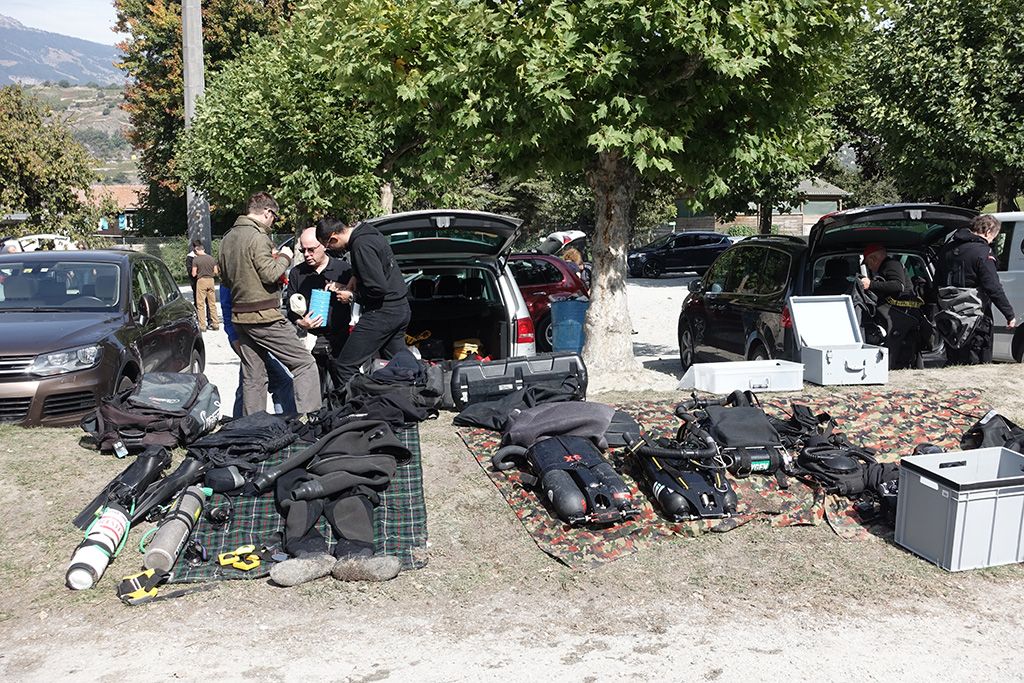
(738,309)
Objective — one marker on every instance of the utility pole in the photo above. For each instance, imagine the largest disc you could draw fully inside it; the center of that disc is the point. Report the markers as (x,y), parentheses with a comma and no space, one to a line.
(192,46)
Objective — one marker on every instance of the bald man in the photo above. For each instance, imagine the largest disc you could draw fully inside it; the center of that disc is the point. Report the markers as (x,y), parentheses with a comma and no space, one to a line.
(316,270)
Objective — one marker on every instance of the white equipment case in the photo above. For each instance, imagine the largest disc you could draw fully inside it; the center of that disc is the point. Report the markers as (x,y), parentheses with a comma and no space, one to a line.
(753,375)
(831,345)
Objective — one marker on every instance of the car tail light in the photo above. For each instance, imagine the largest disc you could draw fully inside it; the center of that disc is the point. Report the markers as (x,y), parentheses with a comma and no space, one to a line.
(524,331)
(787,318)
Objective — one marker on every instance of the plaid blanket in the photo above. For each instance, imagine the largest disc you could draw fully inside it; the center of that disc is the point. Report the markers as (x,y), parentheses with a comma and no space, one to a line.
(892,422)
(400,522)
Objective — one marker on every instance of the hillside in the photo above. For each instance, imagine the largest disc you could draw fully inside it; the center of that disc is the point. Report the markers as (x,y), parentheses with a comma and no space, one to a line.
(95,117)
(30,56)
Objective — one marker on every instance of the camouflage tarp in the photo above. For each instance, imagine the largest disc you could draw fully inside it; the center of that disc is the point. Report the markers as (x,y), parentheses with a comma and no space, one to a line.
(891,422)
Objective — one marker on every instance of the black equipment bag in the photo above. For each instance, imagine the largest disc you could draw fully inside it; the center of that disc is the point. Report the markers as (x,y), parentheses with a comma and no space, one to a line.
(476,381)
(164,409)
(993,430)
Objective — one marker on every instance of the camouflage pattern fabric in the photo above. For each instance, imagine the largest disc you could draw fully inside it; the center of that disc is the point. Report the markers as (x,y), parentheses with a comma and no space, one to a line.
(892,422)
(400,521)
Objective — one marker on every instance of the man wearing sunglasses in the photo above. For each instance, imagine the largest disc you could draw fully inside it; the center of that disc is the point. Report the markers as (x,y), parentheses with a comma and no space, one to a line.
(255,272)
(319,270)
(377,286)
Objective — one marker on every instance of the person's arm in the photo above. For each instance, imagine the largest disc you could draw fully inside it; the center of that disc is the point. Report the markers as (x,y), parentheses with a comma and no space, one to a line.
(195,271)
(988,280)
(269,266)
(294,278)
(890,280)
(372,278)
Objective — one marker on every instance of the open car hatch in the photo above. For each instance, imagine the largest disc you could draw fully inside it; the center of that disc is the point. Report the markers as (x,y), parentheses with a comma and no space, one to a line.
(443,233)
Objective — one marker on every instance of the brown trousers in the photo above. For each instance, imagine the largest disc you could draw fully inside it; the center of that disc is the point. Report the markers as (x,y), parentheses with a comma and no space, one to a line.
(206,298)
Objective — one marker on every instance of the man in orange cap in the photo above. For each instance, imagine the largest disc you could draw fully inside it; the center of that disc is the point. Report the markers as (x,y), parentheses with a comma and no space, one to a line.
(898,304)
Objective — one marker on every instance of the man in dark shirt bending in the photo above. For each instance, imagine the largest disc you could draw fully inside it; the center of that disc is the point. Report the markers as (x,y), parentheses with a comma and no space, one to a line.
(376,285)
(315,272)
(898,304)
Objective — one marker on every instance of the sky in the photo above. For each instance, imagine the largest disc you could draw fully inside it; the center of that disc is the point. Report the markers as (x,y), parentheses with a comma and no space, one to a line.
(89,19)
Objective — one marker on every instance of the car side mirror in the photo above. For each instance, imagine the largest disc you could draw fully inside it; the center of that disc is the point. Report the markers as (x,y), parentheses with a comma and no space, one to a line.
(694,285)
(148,306)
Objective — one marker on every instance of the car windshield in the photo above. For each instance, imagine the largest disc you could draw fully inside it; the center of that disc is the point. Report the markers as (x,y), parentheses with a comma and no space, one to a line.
(468,237)
(59,285)
(904,232)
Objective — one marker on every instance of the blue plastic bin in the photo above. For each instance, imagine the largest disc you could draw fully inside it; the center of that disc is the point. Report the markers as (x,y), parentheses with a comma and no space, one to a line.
(567,324)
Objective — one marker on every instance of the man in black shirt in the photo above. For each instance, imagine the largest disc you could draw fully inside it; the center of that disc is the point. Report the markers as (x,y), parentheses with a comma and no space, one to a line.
(898,305)
(966,261)
(320,270)
(377,286)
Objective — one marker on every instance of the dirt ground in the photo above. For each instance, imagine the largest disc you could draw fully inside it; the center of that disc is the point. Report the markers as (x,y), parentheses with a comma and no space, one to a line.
(757,602)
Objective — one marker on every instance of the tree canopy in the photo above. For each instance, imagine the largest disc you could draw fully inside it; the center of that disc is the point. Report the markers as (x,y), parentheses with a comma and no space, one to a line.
(154,95)
(940,100)
(44,171)
(614,89)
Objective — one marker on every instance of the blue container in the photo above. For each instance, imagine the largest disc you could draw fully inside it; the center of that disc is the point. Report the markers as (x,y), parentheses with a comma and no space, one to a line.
(567,324)
(320,304)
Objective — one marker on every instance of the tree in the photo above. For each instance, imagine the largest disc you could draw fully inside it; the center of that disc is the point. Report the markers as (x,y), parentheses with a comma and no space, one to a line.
(44,171)
(940,92)
(154,93)
(616,90)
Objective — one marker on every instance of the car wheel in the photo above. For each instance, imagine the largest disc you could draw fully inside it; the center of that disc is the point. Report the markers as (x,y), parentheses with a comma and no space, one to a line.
(197,362)
(687,347)
(651,269)
(758,352)
(545,334)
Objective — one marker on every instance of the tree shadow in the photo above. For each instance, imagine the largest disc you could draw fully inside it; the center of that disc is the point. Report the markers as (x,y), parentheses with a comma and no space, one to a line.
(663,282)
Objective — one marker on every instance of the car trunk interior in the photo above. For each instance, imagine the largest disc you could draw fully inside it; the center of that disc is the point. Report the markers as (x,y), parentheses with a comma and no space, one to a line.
(457,305)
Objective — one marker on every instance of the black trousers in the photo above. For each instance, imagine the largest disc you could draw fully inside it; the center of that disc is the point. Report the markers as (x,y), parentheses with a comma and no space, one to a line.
(380,330)
(350,516)
(327,352)
(978,350)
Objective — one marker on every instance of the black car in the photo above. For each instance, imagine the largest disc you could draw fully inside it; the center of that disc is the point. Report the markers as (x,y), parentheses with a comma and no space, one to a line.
(738,310)
(78,325)
(681,252)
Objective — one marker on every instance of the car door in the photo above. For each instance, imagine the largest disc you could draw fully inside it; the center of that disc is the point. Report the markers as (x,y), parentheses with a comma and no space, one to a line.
(173,319)
(680,252)
(759,302)
(706,250)
(729,316)
(149,340)
(708,317)
(1009,251)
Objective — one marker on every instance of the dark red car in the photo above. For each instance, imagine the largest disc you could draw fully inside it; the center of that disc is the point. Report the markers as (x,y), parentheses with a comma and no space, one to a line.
(541,279)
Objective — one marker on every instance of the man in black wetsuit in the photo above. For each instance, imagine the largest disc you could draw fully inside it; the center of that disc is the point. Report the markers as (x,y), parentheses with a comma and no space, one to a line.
(377,286)
(898,305)
(966,261)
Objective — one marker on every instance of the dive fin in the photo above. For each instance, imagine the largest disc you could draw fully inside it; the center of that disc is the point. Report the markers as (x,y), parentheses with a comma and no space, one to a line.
(159,492)
(127,486)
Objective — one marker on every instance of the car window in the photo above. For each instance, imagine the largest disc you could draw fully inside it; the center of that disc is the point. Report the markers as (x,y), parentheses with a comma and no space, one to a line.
(704,240)
(1001,248)
(534,272)
(718,275)
(684,241)
(162,282)
(141,283)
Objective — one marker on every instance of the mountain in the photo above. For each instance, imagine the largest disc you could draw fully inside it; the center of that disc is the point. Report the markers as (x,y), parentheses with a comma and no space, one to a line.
(29,56)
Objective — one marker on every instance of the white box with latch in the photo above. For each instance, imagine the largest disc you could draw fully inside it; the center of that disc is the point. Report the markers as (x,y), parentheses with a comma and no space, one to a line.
(832,347)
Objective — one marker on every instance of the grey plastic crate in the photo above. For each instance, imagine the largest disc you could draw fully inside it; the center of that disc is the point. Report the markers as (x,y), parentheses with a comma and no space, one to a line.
(963,509)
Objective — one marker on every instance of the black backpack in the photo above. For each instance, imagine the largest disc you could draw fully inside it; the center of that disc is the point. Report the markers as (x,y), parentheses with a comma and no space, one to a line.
(164,409)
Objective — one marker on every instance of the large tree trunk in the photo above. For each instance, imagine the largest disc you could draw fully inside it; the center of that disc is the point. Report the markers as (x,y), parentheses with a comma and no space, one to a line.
(609,347)
(1006,193)
(764,216)
(387,198)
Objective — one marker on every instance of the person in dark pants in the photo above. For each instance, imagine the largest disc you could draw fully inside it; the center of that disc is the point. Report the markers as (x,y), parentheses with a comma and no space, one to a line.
(898,305)
(377,286)
(966,261)
(317,270)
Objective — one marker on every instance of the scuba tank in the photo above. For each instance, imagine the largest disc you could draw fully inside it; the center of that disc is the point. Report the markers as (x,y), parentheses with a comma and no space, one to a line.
(175,529)
(103,540)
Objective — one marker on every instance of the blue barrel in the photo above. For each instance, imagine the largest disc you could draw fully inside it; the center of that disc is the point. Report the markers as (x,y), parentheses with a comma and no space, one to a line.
(567,324)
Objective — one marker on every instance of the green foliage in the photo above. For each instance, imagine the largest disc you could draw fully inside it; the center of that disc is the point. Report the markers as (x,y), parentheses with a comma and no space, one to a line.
(938,101)
(154,95)
(308,142)
(44,172)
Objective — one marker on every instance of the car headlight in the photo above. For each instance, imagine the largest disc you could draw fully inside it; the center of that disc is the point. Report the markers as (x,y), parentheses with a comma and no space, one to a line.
(59,362)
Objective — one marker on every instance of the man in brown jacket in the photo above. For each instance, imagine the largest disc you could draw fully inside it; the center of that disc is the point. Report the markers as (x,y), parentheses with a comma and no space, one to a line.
(255,273)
